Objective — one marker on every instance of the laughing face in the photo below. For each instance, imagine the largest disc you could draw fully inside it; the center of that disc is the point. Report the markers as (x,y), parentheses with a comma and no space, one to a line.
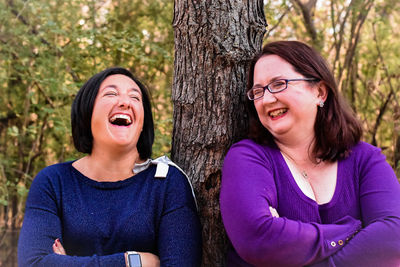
(289,114)
(117,117)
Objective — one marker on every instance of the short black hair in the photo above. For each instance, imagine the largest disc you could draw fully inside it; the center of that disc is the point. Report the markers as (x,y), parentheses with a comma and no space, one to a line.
(82,109)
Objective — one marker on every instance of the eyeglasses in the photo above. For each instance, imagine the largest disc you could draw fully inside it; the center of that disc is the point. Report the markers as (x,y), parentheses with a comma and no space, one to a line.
(273,87)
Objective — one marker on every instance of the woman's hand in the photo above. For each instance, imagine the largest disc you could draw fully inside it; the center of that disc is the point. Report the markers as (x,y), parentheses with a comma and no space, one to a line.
(147,259)
(58,248)
(273,211)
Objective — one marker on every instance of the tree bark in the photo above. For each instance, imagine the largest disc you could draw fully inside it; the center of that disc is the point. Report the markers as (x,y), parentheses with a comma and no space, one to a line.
(214,41)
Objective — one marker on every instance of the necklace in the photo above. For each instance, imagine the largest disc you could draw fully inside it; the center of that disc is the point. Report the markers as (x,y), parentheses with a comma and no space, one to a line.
(303,173)
(306,188)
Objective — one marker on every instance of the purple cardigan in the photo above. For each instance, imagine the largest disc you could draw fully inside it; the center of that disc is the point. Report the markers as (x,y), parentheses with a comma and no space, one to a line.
(360,226)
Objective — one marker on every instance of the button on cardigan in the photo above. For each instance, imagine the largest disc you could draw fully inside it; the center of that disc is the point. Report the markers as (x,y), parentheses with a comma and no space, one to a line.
(360,226)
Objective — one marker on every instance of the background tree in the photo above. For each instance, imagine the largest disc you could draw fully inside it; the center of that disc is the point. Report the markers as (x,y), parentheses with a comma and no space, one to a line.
(358,38)
(49,47)
(214,42)
(211,52)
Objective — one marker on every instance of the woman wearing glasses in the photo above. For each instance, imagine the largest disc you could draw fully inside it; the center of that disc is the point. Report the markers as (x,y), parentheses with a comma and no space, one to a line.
(303,189)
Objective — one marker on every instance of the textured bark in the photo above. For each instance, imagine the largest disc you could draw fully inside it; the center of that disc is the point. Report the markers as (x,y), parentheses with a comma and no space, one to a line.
(214,41)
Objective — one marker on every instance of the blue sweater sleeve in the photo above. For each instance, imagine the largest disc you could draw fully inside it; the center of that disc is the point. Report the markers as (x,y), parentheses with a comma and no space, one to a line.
(247,191)
(180,232)
(177,228)
(378,243)
(42,225)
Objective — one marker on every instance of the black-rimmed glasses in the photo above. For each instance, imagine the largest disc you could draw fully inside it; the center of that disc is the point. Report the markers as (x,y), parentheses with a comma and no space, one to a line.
(273,87)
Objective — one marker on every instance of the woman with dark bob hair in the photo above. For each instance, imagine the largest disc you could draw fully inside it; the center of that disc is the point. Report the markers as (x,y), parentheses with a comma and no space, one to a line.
(303,190)
(115,206)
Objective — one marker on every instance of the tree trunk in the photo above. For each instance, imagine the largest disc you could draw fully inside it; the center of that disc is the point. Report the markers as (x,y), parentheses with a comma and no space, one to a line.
(214,41)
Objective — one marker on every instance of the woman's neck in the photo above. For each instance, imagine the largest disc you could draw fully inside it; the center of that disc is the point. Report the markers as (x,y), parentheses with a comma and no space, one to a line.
(300,151)
(108,167)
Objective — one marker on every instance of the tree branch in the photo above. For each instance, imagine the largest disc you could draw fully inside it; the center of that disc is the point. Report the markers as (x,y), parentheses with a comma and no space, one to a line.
(385,104)
(307,12)
(338,43)
(36,33)
(354,37)
(279,21)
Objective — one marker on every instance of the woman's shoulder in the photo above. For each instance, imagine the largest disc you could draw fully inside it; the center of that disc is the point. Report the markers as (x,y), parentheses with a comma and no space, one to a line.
(175,180)
(250,148)
(247,151)
(364,150)
(249,144)
(362,146)
(50,177)
(57,167)
(165,170)
(54,170)
(176,176)
(364,155)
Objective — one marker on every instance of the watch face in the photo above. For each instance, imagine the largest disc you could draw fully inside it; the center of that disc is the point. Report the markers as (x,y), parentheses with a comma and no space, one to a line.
(134,260)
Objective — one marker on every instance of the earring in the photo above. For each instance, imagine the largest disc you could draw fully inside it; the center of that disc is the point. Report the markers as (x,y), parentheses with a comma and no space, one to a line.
(321,103)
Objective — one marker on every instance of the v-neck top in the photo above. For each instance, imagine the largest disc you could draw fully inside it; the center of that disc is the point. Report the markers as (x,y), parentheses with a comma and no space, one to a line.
(303,181)
(363,214)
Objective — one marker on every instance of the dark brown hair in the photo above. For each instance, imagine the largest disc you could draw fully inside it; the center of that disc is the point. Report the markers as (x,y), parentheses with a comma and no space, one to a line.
(336,127)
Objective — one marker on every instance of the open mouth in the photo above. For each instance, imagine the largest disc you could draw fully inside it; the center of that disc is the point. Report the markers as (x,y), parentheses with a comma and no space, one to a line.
(277,112)
(121,120)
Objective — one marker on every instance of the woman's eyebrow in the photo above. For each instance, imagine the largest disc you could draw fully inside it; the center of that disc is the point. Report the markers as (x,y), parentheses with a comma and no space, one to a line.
(279,77)
(108,86)
(137,90)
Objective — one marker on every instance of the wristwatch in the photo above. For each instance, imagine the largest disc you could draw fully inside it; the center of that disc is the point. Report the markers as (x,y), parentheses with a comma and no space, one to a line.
(132,259)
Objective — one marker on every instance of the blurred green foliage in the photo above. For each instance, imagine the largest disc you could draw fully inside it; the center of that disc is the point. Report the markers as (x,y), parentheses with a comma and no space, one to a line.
(48,49)
(361,41)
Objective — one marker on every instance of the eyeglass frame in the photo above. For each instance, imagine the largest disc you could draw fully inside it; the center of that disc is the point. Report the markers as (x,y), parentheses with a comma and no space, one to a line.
(266,87)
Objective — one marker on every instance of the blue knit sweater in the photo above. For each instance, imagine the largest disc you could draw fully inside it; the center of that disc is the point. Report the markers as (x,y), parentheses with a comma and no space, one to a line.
(97,222)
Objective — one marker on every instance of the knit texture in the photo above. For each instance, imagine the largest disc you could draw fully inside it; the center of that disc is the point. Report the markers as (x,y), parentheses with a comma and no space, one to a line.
(360,226)
(97,222)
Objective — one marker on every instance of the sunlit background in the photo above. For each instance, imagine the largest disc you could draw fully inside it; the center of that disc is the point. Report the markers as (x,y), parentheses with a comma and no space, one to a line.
(48,48)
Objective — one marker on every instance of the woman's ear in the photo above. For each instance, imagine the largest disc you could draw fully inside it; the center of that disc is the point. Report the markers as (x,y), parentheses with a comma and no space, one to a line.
(322,91)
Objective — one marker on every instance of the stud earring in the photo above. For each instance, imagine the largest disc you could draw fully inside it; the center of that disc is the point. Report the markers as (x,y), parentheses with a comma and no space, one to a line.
(321,104)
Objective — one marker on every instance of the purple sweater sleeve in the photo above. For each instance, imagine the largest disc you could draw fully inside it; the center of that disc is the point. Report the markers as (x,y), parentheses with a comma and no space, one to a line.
(378,243)
(247,191)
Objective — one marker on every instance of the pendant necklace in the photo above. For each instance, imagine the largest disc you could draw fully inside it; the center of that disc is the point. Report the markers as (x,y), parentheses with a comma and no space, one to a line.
(303,173)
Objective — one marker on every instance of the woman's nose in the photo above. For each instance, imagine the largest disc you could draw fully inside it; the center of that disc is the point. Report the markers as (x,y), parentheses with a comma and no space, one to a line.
(268,97)
(124,101)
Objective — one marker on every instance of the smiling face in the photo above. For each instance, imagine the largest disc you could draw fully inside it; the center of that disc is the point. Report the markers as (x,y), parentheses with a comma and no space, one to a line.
(117,118)
(288,115)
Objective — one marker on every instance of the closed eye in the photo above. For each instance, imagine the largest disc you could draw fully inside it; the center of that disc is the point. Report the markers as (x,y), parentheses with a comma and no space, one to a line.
(258,90)
(110,93)
(135,97)
(278,83)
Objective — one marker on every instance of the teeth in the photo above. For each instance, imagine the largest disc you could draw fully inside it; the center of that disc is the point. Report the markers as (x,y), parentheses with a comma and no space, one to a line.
(277,112)
(121,116)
